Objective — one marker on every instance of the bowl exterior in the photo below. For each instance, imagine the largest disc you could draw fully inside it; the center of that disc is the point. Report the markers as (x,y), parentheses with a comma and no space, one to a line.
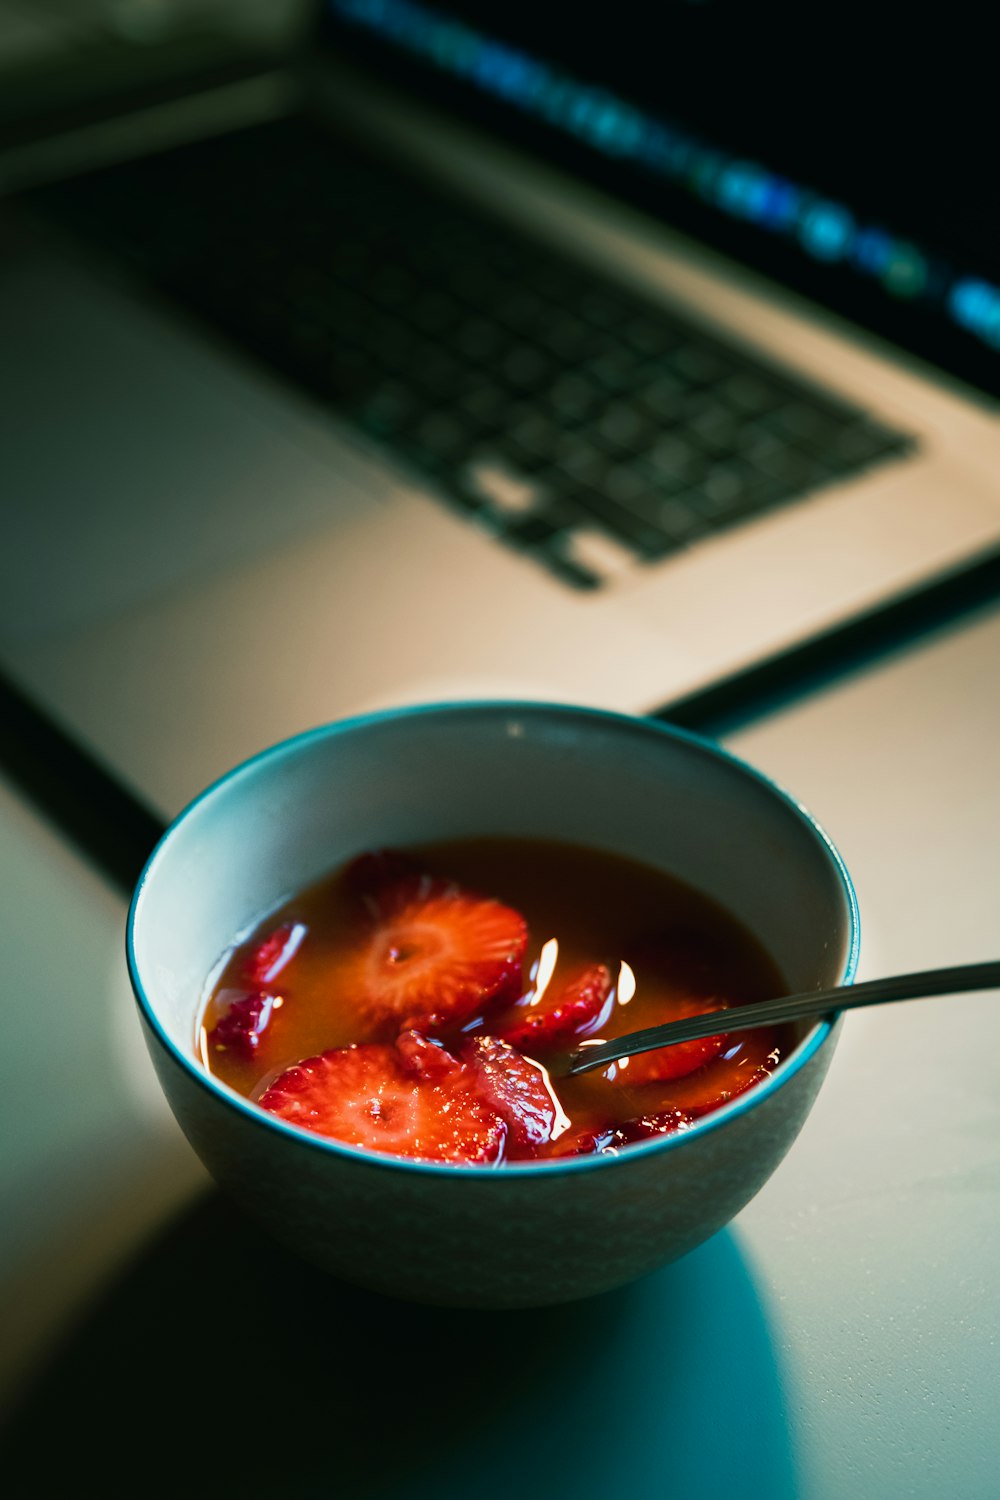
(515,1237)
(525,1234)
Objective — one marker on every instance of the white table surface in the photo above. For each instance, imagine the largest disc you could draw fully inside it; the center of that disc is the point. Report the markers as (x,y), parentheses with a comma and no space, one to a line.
(840,1340)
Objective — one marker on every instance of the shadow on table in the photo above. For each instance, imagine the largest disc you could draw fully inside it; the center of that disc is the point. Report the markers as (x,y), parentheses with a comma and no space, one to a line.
(219,1365)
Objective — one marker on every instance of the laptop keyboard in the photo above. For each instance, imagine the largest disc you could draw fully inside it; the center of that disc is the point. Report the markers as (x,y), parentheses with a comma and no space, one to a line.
(584,425)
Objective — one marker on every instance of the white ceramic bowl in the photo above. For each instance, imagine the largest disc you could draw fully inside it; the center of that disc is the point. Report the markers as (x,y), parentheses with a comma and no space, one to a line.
(526,1233)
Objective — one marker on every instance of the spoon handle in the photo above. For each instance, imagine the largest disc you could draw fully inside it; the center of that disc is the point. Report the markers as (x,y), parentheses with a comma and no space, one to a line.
(983,976)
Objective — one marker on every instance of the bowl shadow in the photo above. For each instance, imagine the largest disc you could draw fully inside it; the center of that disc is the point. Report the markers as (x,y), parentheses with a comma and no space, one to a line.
(218,1364)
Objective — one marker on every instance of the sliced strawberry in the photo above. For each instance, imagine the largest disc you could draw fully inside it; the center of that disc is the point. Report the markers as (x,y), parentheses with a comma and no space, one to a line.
(243,1024)
(608,1140)
(434,955)
(680,1059)
(734,1083)
(370,1095)
(426,1058)
(517,1088)
(268,958)
(665,1122)
(562,1013)
(582,1141)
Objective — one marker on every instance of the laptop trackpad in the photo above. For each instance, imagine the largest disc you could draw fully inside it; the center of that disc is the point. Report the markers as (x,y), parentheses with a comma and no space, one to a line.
(136,456)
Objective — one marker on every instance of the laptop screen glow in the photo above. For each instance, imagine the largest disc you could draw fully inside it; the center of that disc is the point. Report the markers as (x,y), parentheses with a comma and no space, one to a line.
(838,160)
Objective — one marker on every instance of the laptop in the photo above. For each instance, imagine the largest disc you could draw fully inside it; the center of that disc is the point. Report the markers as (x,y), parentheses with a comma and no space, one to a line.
(479,352)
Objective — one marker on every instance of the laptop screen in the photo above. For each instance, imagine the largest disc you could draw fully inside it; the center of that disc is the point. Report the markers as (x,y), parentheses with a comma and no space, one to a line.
(842,150)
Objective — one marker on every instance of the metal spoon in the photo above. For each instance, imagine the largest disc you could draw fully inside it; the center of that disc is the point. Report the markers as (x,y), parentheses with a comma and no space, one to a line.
(598,1053)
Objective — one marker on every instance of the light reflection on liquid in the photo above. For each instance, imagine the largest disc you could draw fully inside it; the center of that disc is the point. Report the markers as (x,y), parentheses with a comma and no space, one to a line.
(562,1120)
(544,969)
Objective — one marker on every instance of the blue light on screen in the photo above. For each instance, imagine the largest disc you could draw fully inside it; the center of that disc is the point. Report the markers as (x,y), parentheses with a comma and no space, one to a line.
(976,306)
(826,230)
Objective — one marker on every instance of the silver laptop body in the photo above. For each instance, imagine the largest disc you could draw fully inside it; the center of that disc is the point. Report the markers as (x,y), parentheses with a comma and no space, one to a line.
(201,557)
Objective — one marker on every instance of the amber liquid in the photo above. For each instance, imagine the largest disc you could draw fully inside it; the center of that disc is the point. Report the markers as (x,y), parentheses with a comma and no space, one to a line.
(600,907)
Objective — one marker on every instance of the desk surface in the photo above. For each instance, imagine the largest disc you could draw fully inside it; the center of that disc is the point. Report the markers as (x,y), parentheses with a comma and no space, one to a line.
(840,1339)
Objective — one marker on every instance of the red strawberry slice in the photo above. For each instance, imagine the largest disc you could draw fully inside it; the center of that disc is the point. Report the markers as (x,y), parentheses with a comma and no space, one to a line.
(426,1058)
(434,955)
(680,1059)
(608,1140)
(583,1141)
(665,1122)
(517,1089)
(735,1082)
(369,1095)
(561,1014)
(244,1023)
(269,957)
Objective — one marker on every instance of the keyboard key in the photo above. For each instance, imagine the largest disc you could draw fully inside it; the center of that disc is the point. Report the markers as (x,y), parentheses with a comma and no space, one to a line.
(697,364)
(664,396)
(756,445)
(796,469)
(566,568)
(541,526)
(580,462)
(434,313)
(809,425)
(650,335)
(474,283)
(622,426)
(714,503)
(439,439)
(601,307)
(438,373)
(647,538)
(525,368)
(616,369)
(625,485)
(567,338)
(714,426)
(485,403)
(680,521)
(520,310)
(388,409)
(675,457)
(597,553)
(391,341)
(537,438)
(725,488)
(573,398)
(492,481)
(859,443)
(751,394)
(389,286)
(478,339)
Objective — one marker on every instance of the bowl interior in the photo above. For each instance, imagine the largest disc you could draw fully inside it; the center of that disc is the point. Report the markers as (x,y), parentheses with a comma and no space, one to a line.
(626,786)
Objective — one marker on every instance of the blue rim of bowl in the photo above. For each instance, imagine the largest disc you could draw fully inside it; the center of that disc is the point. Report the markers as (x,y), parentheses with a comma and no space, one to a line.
(750,1099)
